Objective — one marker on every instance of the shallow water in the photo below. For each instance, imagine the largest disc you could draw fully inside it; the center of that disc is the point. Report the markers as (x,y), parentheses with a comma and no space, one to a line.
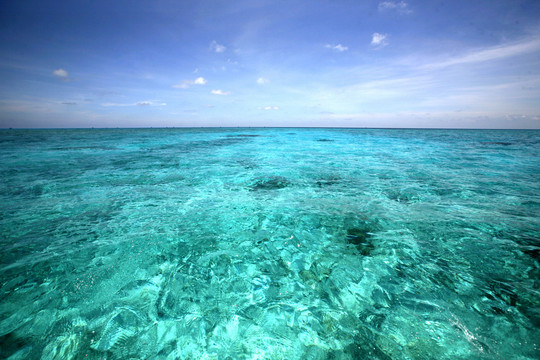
(269,244)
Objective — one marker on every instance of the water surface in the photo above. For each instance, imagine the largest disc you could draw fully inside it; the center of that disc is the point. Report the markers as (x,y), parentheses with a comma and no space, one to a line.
(269,244)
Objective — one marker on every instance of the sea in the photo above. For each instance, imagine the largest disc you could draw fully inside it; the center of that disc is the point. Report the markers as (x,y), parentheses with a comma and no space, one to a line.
(269,243)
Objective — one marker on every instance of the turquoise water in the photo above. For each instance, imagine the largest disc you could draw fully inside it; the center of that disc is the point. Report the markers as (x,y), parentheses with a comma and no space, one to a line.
(269,244)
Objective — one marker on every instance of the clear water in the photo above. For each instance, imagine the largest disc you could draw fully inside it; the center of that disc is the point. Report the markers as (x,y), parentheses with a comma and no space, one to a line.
(269,244)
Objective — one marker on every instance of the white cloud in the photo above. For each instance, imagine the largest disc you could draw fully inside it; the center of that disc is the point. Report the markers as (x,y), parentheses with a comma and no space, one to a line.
(220,92)
(268,107)
(402,7)
(187,83)
(200,81)
(61,73)
(214,46)
(379,40)
(337,47)
(262,81)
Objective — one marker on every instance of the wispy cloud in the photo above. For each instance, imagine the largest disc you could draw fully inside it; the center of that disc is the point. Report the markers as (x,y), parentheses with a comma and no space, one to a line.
(380,93)
(61,73)
(379,40)
(437,119)
(401,7)
(39,106)
(489,54)
(417,88)
(262,81)
(338,47)
(214,46)
(138,103)
(116,104)
(268,107)
(220,92)
(187,83)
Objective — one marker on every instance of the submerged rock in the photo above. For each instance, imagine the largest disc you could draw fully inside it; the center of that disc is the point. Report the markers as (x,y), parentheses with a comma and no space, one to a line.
(12,344)
(405,196)
(532,251)
(270,183)
(504,143)
(328,180)
(361,238)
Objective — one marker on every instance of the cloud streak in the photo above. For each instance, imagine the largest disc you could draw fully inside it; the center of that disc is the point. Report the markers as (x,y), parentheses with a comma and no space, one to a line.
(220,92)
(401,7)
(489,54)
(60,73)
(138,103)
(338,47)
(214,46)
(187,83)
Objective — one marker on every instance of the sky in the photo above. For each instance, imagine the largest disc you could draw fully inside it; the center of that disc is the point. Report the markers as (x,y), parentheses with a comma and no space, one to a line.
(334,63)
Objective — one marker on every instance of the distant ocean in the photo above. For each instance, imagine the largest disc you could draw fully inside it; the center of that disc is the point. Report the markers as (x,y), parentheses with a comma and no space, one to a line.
(269,244)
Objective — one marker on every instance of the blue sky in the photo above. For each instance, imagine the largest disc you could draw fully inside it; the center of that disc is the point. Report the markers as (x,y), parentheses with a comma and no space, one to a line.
(429,63)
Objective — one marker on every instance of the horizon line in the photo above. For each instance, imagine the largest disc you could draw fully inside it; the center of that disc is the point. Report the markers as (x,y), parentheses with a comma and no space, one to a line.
(261,127)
